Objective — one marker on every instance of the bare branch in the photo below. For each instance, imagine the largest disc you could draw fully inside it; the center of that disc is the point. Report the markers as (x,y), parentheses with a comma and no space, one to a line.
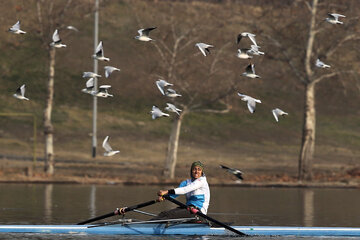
(287,57)
(307,4)
(329,75)
(216,59)
(341,42)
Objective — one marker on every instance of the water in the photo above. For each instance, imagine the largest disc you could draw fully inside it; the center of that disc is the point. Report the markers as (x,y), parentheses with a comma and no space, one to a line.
(70,204)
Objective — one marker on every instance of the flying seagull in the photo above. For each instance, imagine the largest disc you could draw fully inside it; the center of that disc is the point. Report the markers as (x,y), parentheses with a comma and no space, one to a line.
(251,36)
(278,112)
(20,93)
(99,53)
(333,18)
(171,108)
(103,91)
(320,64)
(172,93)
(243,53)
(16,28)
(255,50)
(251,102)
(56,40)
(204,48)
(144,34)
(250,72)
(72,28)
(156,113)
(90,75)
(234,171)
(89,86)
(109,70)
(161,84)
(108,150)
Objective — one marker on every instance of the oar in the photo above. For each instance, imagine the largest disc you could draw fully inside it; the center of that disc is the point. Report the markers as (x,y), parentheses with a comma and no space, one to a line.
(126,209)
(197,212)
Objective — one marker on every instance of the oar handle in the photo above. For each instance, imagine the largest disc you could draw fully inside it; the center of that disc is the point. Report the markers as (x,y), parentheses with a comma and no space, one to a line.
(126,209)
(198,212)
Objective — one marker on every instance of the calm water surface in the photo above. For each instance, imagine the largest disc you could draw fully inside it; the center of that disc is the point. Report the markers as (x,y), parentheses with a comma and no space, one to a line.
(69,204)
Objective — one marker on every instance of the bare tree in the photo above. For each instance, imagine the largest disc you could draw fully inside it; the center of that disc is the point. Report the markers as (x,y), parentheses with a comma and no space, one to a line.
(51,16)
(305,72)
(195,76)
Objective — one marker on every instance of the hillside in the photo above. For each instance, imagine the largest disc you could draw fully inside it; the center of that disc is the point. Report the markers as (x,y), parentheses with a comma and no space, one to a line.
(254,143)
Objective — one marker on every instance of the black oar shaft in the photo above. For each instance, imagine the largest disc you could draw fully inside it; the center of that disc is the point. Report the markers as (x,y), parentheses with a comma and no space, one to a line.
(182,205)
(97,218)
(126,209)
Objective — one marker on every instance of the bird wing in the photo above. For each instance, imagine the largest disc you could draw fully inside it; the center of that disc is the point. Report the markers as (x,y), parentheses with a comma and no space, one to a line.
(56,37)
(16,26)
(248,69)
(90,83)
(99,50)
(160,86)
(106,144)
(146,31)
(238,39)
(252,38)
(201,47)
(22,90)
(275,113)
(224,167)
(253,68)
(251,105)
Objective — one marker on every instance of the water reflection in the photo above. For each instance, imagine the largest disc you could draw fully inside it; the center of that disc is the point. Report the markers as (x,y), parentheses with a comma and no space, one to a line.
(92,205)
(308,199)
(48,193)
(69,204)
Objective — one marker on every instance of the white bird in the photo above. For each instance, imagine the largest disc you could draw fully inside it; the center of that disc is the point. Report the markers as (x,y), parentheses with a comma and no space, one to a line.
(103,91)
(144,34)
(72,28)
(108,150)
(278,112)
(89,86)
(90,75)
(251,102)
(333,18)
(320,64)
(109,70)
(234,171)
(99,53)
(161,84)
(16,28)
(250,71)
(243,53)
(20,93)
(204,48)
(172,93)
(251,36)
(56,40)
(156,113)
(255,50)
(172,108)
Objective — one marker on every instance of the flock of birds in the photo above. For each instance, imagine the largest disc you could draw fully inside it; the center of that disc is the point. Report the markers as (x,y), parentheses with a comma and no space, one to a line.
(164,86)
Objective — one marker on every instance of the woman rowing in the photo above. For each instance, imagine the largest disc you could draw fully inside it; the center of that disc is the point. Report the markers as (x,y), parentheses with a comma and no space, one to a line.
(197,194)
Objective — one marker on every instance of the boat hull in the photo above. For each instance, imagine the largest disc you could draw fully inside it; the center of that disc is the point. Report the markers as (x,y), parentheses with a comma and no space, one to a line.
(179,229)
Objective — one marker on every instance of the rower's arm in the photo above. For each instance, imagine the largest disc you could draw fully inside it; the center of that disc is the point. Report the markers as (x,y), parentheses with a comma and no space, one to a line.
(188,188)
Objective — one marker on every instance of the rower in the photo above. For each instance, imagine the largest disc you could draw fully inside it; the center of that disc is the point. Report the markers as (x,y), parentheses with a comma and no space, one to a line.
(197,194)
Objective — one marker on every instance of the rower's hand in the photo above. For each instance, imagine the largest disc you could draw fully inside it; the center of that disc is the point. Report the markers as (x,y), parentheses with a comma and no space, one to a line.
(119,211)
(161,193)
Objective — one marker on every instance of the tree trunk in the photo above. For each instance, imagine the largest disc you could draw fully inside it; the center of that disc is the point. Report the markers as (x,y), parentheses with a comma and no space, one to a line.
(308,135)
(171,156)
(48,127)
